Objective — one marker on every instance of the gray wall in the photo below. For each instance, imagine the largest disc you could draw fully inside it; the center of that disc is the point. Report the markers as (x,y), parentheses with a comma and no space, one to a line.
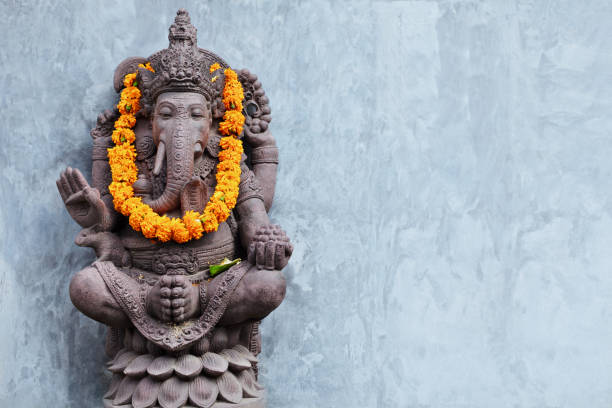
(445,177)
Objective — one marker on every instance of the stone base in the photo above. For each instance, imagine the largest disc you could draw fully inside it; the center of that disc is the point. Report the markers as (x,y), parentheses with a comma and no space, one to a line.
(245,403)
(221,380)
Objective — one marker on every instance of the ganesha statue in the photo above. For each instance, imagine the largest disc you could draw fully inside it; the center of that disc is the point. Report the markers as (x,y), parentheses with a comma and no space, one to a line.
(188,263)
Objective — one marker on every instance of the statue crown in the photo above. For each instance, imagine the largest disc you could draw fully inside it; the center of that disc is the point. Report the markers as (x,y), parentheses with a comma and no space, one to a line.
(182,31)
(181,67)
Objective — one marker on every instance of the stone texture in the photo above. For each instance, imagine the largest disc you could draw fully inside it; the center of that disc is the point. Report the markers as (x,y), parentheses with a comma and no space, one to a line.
(445,178)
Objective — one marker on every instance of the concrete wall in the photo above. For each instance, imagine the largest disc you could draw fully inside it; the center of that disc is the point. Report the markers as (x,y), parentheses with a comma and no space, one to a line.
(445,177)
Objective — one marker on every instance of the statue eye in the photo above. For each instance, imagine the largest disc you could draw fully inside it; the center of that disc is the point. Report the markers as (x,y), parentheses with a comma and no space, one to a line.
(197,113)
(165,113)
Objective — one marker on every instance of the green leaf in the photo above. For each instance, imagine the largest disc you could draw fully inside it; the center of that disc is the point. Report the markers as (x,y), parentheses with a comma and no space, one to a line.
(128,108)
(135,83)
(222,266)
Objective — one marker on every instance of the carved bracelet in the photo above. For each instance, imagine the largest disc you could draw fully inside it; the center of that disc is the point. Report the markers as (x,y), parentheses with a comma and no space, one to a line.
(100,148)
(264,154)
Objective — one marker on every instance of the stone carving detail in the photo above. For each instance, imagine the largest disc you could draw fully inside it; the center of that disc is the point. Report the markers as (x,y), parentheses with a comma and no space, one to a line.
(145,147)
(146,379)
(205,166)
(256,104)
(179,334)
(104,125)
(174,261)
(168,336)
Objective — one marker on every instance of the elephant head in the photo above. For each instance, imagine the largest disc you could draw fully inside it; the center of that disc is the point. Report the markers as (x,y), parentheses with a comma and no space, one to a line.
(181,125)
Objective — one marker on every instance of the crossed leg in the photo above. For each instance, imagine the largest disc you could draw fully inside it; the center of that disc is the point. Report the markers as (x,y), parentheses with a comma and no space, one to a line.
(259,292)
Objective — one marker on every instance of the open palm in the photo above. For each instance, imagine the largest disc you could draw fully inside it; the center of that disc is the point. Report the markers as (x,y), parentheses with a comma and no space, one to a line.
(82,201)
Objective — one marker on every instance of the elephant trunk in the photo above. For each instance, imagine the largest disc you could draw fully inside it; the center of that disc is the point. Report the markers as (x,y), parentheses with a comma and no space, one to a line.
(178,153)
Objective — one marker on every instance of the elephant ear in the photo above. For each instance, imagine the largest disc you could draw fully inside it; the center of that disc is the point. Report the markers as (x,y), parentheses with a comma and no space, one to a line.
(146,77)
(126,66)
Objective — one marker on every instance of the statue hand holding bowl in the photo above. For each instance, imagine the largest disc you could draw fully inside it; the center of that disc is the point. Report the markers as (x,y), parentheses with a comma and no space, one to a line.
(179,333)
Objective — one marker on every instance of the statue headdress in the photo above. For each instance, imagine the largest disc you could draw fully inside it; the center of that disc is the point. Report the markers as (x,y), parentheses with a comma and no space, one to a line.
(182,67)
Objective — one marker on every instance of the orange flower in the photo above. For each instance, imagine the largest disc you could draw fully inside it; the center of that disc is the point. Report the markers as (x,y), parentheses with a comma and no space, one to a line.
(149,224)
(232,123)
(233,157)
(228,179)
(231,197)
(233,93)
(210,222)
(121,161)
(225,166)
(218,208)
(123,135)
(129,205)
(130,93)
(230,74)
(193,224)
(231,143)
(125,121)
(128,106)
(137,216)
(121,192)
(233,102)
(163,232)
(121,153)
(128,80)
(180,233)
(214,67)
(147,66)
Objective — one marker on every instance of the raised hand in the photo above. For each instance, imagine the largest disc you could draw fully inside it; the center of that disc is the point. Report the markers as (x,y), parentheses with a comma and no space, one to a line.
(82,201)
(270,248)
(257,111)
(173,299)
(255,139)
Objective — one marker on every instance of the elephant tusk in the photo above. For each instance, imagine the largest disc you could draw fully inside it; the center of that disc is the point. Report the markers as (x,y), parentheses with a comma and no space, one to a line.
(159,158)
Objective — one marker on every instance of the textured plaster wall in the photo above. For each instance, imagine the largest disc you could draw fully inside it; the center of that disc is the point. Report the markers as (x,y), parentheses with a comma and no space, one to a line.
(446,179)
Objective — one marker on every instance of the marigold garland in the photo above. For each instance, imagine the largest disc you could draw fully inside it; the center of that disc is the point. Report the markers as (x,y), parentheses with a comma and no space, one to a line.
(121,159)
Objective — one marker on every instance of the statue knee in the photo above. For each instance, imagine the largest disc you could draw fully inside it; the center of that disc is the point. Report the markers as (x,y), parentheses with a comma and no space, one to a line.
(83,288)
(90,295)
(270,289)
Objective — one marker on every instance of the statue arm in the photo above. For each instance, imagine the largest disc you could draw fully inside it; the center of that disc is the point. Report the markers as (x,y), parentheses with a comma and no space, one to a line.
(91,206)
(251,215)
(266,244)
(101,177)
(250,207)
(264,159)
(263,287)
(264,153)
(100,170)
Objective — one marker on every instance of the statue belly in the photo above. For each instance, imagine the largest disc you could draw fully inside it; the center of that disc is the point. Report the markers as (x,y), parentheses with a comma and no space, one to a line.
(192,257)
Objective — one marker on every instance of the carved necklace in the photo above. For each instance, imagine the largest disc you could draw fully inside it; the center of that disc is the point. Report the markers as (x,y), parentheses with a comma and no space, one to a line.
(121,159)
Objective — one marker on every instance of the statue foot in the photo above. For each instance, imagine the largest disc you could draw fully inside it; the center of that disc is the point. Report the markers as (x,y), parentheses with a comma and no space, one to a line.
(173,299)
